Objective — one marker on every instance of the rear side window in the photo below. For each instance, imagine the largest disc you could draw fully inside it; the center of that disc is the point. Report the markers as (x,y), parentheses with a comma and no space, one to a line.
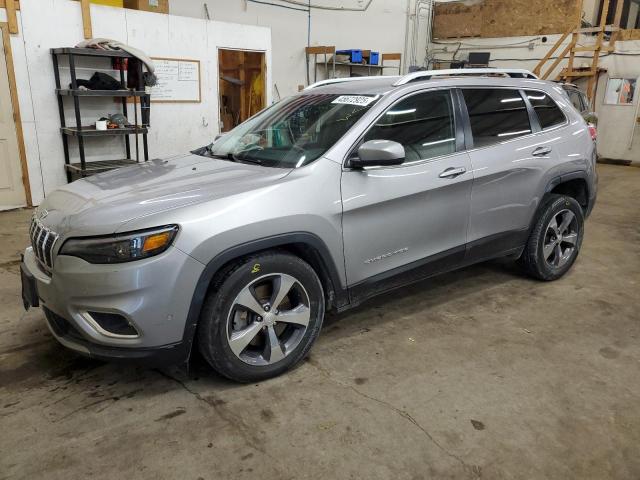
(549,114)
(496,115)
(585,101)
(423,124)
(576,100)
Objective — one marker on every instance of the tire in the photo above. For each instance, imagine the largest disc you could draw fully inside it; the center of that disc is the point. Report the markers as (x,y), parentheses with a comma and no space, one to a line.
(227,323)
(551,251)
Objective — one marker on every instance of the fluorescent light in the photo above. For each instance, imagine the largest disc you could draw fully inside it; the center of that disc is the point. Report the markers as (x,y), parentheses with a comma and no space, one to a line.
(533,97)
(510,134)
(509,100)
(438,142)
(401,112)
(301,161)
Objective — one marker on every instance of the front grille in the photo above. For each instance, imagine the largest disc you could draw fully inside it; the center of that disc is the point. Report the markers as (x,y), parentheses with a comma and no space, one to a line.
(42,240)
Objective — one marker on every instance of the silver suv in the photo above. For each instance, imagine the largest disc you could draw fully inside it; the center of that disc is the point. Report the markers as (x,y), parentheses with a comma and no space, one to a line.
(346,190)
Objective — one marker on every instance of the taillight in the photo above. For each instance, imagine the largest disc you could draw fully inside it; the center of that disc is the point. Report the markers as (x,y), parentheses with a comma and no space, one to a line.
(593,132)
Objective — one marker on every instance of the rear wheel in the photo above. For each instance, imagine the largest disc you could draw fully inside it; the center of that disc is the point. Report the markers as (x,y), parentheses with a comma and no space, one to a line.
(555,240)
(262,317)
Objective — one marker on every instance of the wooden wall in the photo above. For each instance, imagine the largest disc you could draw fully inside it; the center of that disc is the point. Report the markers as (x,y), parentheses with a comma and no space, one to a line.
(630,34)
(503,18)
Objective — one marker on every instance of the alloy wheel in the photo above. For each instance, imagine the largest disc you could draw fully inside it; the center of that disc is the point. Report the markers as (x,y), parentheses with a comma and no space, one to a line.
(268,319)
(560,239)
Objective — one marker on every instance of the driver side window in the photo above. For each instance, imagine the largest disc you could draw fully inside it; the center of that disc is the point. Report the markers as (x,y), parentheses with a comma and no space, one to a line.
(422,123)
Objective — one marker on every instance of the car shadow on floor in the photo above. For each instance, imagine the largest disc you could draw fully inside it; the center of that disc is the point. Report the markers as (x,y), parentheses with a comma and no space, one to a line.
(47,363)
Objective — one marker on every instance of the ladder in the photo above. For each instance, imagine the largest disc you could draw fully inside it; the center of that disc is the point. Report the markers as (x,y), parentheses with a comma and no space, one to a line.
(600,46)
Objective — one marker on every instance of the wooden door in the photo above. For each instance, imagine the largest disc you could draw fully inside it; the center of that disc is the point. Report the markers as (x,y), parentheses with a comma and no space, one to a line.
(12,192)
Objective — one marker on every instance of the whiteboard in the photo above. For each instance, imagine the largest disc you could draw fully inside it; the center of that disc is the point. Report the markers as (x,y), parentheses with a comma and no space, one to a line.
(178,80)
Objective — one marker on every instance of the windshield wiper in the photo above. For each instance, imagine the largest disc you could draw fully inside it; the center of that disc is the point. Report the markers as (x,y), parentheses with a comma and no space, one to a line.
(206,151)
(234,158)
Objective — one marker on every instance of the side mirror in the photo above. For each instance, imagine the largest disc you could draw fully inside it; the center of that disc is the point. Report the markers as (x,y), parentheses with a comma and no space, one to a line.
(378,153)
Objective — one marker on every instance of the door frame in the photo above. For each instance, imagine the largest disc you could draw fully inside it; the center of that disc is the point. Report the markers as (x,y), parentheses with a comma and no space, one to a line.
(263,70)
(17,119)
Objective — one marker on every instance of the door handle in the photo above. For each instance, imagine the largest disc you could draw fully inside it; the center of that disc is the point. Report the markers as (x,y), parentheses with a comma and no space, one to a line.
(541,151)
(453,172)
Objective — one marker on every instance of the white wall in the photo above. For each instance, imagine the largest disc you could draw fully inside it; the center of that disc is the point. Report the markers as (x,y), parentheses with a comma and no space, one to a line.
(380,28)
(175,128)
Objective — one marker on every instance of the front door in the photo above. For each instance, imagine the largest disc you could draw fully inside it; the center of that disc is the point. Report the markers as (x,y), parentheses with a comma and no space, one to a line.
(12,193)
(412,218)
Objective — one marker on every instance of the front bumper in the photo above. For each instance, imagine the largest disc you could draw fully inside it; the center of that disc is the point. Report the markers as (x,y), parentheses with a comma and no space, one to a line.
(154,295)
(68,336)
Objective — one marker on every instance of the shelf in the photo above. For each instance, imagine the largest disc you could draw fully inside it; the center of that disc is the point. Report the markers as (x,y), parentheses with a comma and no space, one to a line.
(81,167)
(348,64)
(91,52)
(99,166)
(92,132)
(100,93)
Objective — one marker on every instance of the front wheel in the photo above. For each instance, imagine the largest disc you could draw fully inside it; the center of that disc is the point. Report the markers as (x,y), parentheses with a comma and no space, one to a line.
(262,317)
(556,238)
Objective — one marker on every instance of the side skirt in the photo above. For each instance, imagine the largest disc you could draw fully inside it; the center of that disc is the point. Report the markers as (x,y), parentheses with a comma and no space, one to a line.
(496,246)
(405,275)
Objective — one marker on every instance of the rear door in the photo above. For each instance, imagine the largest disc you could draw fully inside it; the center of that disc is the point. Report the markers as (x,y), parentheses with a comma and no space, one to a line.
(510,156)
(397,219)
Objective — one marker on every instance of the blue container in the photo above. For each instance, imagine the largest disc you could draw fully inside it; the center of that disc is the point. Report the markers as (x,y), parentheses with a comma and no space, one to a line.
(355,56)
(374,59)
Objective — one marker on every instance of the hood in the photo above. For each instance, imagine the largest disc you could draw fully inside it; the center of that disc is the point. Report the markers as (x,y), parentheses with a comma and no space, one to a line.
(102,203)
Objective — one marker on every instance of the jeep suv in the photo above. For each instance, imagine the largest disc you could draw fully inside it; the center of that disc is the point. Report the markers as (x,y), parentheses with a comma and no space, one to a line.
(351,188)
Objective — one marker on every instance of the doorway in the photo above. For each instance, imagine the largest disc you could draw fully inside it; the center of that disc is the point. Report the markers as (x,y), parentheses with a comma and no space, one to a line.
(242,86)
(13,193)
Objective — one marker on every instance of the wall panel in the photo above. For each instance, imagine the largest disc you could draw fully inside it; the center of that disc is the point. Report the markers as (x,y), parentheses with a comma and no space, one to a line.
(503,18)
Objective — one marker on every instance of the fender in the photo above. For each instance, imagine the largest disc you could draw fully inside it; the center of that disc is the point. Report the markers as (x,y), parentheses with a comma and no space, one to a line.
(581,174)
(553,183)
(238,251)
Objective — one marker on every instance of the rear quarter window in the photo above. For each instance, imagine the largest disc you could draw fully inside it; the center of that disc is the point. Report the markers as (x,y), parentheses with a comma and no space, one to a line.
(576,100)
(548,112)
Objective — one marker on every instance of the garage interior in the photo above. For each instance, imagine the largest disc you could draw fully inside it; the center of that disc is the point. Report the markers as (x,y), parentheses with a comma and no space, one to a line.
(477,373)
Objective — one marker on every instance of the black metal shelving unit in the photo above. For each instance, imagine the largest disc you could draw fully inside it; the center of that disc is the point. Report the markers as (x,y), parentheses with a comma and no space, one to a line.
(80,132)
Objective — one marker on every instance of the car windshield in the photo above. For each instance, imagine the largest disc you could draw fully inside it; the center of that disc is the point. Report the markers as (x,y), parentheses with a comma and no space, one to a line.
(292,133)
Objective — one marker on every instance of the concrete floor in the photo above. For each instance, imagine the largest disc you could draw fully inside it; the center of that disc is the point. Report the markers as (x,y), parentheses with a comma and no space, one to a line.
(478,373)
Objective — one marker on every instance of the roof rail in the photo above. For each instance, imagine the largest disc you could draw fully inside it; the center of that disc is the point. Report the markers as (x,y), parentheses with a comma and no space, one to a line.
(428,74)
(341,80)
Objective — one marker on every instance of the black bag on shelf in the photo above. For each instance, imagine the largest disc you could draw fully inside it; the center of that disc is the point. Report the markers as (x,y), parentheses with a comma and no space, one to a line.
(100,81)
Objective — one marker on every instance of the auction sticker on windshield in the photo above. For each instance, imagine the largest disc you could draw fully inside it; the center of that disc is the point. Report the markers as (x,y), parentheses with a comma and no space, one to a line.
(361,100)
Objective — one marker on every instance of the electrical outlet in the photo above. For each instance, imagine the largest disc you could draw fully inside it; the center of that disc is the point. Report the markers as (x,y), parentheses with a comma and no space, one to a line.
(153,3)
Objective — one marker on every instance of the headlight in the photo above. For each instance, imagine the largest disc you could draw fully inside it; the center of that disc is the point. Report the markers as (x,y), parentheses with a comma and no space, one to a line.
(120,248)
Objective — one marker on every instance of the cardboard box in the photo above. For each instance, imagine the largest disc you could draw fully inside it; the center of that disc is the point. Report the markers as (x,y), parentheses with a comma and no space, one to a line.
(158,6)
(109,3)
